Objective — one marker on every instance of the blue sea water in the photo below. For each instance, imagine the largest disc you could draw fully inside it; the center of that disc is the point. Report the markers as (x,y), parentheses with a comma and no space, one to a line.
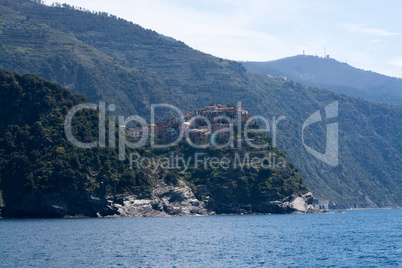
(355,238)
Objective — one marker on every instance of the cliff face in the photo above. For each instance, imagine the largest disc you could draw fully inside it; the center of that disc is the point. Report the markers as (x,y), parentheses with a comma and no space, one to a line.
(164,200)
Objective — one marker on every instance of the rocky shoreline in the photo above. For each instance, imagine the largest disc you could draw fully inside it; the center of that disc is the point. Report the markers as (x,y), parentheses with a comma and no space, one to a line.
(164,200)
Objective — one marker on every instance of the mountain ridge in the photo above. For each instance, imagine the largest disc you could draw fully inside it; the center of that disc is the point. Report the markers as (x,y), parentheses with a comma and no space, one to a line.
(335,76)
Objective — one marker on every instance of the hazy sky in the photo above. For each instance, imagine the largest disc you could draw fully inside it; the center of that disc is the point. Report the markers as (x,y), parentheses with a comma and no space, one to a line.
(365,34)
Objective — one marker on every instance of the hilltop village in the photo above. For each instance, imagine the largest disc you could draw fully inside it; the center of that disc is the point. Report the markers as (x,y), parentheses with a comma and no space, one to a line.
(206,125)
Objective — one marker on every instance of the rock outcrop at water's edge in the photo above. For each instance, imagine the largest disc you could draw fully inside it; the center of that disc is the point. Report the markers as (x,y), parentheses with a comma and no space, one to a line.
(164,200)
(295,204)
(179,200)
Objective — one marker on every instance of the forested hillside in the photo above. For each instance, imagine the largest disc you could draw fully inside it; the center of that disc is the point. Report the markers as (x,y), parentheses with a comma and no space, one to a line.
(44,175)
(40,169)
(116,61)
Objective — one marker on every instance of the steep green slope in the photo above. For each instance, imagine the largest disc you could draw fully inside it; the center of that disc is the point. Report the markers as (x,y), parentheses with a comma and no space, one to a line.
(44,175)
(40,170)
(335,76)
(369,143)
(121,54)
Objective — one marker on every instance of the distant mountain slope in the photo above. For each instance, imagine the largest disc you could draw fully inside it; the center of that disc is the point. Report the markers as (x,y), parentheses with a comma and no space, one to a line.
(119,62)
(335,76)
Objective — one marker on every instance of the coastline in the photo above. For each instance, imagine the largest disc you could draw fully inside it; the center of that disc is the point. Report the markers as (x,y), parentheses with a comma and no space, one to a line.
(164,201)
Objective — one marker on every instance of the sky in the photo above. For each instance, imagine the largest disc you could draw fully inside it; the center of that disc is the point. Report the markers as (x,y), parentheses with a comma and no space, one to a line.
(366,34)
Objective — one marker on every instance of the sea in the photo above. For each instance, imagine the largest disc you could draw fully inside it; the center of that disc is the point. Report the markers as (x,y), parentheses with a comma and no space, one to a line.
(355,238)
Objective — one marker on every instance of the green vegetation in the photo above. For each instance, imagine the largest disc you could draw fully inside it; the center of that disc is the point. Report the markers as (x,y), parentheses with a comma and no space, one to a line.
(36,159)
(116,61)
(229,176)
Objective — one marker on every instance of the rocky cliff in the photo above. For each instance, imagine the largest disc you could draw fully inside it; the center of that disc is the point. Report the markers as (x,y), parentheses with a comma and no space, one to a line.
(164,200)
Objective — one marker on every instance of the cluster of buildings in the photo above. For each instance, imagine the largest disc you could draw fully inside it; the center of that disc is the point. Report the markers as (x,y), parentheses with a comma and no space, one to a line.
(202,126)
